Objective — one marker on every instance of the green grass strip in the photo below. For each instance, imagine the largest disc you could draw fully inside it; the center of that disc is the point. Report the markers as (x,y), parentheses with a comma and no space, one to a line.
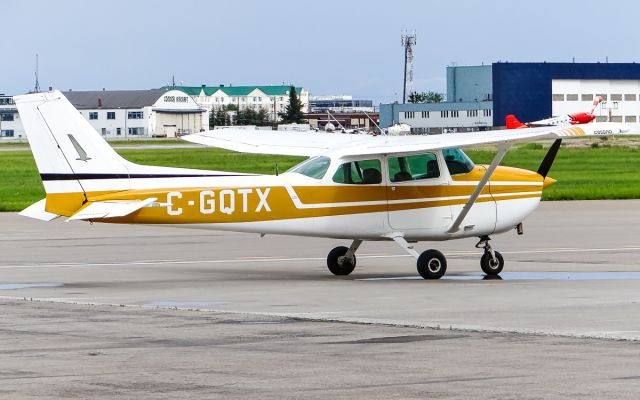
(582,173)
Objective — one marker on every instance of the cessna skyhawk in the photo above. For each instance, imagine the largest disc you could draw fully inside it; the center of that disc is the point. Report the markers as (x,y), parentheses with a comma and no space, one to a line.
(354,187)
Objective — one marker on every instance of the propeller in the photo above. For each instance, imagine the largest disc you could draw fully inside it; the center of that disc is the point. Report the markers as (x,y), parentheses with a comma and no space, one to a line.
(546,164)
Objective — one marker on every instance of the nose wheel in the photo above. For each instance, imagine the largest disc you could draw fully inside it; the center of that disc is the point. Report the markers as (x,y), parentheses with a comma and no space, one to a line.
(342,260)
(492,261)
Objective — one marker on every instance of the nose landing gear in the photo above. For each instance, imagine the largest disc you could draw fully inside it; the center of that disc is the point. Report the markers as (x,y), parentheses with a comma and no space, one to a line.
(491,262)
(342,260)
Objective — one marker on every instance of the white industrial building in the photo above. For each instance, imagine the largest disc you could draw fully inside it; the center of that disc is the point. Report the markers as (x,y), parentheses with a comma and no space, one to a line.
(139,113)
(273,99)
(448,117)
(480,97)
(620,99)
(123,113)
(10,124)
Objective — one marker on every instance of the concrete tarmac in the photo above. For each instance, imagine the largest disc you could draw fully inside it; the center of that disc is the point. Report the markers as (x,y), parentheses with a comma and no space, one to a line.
(177,312)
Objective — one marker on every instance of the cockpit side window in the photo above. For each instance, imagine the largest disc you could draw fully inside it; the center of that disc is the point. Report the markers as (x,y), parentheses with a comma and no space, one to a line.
(414,167)
(457,162)
(362,172)
(314,167)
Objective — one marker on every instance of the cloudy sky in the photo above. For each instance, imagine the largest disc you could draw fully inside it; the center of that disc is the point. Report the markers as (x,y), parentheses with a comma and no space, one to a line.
(329,46)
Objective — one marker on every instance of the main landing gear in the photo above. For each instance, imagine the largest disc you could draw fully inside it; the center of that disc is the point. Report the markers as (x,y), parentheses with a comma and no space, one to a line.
(431,264)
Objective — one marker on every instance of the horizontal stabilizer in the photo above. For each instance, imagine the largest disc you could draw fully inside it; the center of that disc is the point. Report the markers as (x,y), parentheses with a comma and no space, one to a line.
(111,209)
(37,211)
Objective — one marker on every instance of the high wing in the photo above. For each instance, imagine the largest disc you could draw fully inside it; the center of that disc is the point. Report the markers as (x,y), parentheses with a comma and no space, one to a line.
(315,143)
(286,143)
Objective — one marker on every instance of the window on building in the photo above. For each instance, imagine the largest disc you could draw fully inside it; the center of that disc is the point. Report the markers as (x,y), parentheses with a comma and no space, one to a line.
(604,96)
(412,168)
(472,113)
(93,115)
(587,97)
(630,97)
(6,133)
(425,114)
(630,118)
(118,131)
(616,97)
(104,132)
(616,118)
(6,101)
(136,131)
(557,97)
(6,117)
(444,114)
(363,172)
(572,97)
(409,114)
(134,115)
(487,113)
(111,115)
(601,118)
(455,113)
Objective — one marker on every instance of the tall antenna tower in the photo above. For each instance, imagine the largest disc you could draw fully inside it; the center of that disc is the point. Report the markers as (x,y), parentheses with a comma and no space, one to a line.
(408,41)
(36,89)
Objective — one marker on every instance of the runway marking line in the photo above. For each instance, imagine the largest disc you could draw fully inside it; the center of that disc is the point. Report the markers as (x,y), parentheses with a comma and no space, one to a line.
(270,259)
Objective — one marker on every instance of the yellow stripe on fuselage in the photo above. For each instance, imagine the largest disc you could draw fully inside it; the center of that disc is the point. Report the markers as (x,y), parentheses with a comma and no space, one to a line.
(269,203)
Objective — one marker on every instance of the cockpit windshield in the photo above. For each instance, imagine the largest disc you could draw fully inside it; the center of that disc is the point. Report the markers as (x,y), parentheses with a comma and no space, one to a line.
(314,167)
(457,162)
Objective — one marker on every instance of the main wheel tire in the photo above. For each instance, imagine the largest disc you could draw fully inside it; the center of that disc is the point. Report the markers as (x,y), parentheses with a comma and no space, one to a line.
(338,265)
(489,265)
(432,264)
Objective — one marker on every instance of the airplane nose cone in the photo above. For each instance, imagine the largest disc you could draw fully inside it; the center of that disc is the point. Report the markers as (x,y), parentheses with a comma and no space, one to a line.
(548,181)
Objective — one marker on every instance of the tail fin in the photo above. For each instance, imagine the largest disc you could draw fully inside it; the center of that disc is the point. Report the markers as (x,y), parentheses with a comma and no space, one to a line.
(67,149)
(77,165)
(513,122)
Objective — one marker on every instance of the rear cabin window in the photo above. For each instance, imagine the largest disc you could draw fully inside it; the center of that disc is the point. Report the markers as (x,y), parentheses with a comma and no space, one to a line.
(413,168)
(314,167)
(457,162)
(363,172)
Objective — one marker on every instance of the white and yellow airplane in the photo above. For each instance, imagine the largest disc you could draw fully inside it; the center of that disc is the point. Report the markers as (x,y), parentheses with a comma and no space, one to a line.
(356,187)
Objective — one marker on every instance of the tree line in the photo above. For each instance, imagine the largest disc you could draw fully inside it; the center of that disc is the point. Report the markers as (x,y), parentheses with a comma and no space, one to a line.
(425,97)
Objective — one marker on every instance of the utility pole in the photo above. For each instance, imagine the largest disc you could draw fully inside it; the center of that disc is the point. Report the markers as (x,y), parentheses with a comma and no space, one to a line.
(408,40)
(36,89)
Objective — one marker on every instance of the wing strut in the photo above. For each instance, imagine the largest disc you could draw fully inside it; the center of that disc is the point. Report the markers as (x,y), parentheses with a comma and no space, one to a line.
(502,150)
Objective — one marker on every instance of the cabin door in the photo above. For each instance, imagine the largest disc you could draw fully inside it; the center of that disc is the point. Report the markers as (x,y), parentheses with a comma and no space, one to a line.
(417,194)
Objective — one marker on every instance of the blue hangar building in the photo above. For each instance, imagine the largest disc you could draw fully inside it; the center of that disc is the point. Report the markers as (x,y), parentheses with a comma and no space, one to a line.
(480,97)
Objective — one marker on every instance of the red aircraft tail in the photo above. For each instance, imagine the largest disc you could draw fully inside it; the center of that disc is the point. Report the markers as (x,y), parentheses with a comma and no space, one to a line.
(513,123)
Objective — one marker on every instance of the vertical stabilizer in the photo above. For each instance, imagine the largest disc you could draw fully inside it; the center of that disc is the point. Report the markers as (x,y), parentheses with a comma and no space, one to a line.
(68,151)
